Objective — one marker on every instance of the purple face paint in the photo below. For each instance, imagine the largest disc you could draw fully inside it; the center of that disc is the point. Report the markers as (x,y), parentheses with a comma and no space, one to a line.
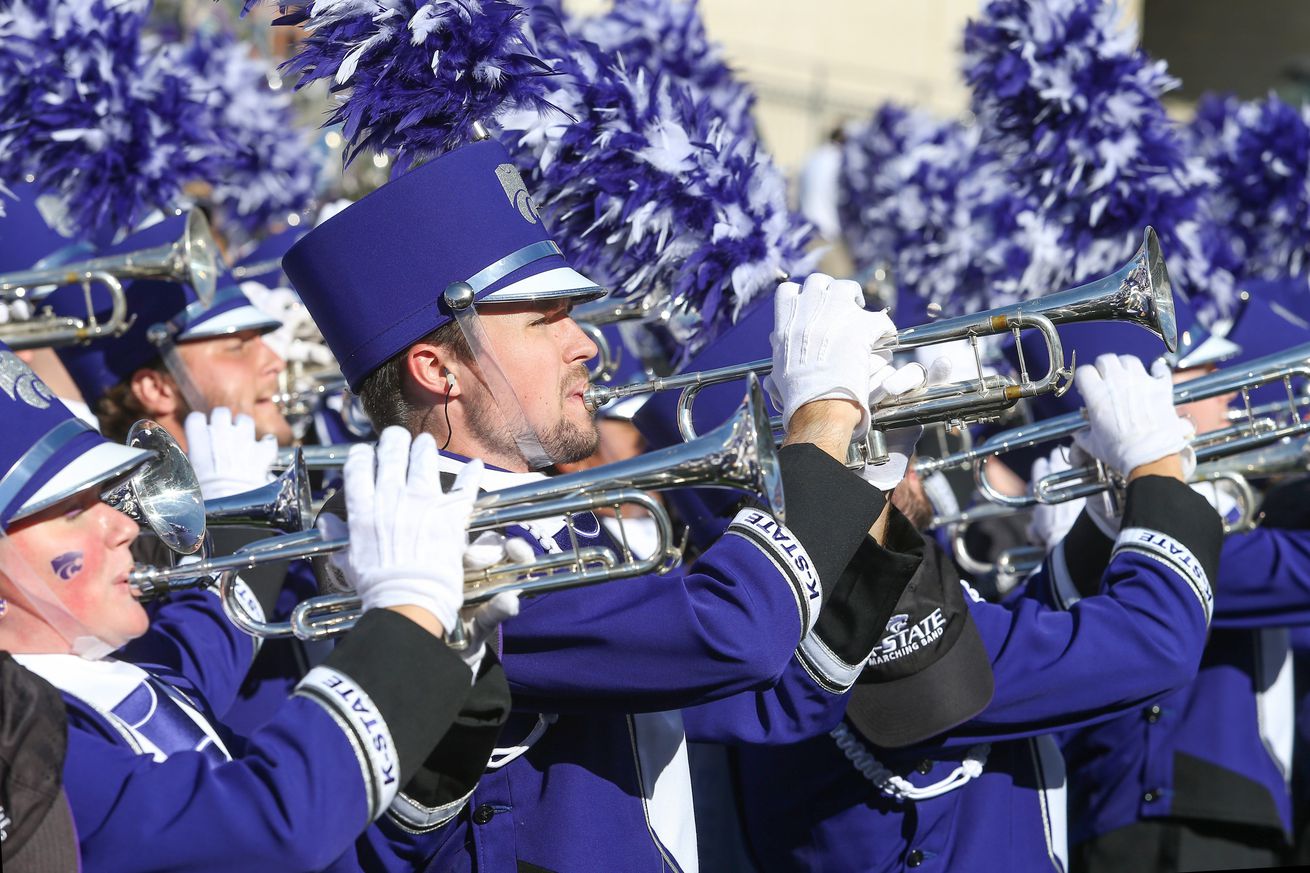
(67,565)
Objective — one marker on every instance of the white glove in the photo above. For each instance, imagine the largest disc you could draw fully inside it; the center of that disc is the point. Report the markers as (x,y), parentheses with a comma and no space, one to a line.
(225,454)
(822,342)
(488,550)
(407,537)
(890,382)
(1051,521)
(15,310)
(1131,416)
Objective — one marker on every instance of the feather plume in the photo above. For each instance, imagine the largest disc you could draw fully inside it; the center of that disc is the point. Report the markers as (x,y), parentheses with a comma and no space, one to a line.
(650,192)
(668,37)
(925,198)
(413,75)
(108,129)
(263,167)
(1066,97)
(1259,153)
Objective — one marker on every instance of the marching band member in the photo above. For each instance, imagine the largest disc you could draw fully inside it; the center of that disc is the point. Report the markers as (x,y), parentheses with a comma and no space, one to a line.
(495,369)
(152,778)
(1200,777)
(988,794)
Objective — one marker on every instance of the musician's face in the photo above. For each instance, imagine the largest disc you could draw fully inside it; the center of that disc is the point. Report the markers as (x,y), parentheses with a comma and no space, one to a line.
(543,354)
(239,371)
(1207,415)
(78,550)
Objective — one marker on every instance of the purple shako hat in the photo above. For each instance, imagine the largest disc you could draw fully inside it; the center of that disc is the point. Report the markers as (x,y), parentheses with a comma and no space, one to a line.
(373,275)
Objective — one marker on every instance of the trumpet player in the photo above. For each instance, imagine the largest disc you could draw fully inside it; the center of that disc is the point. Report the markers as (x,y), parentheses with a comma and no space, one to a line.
(1199,778)
(987,793)
(153,779)
(448,306)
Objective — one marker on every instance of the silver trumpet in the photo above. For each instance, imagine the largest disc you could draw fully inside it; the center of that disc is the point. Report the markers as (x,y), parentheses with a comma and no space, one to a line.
(957,526)
(163,493)
(329,457)
(1250,433)
(192,259)
(738,455)
(283,504)
(1138,293)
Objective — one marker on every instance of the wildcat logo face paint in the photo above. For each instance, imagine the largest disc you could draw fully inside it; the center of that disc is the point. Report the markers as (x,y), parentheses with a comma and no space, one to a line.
(67,565)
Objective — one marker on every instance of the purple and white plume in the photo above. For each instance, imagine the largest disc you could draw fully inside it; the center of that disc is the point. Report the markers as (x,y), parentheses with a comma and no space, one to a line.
(924,198)
(109,129)
(1259,153)
(264,168)
(1065,96)
(668,37)
(412,76)
(653,194)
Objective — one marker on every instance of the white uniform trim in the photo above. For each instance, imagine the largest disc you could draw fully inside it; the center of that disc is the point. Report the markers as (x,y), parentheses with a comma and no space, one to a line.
(1048,762)
(660,748)
(104,684)
(788,555)
(412,816)
(1275,696)
(825,667)
(1172,554)
(361,721)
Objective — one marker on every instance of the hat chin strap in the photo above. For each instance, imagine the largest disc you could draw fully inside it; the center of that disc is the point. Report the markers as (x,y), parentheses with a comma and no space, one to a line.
(80,640)
(164,338)
(502,393)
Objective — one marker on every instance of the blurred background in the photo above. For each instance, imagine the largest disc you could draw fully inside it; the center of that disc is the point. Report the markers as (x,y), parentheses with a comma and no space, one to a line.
(841,58)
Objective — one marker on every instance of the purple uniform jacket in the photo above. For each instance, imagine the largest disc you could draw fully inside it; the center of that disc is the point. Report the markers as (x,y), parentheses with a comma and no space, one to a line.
(298,792)
(990,794)
(598,675)
(1220,748)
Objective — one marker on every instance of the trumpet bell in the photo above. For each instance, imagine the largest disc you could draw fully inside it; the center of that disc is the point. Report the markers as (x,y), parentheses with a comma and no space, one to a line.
(163,493)
(197,256)
(284,504)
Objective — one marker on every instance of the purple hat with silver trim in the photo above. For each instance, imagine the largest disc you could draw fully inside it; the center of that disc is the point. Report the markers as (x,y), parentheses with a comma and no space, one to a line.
(48,453)
(102,364)
(373,275)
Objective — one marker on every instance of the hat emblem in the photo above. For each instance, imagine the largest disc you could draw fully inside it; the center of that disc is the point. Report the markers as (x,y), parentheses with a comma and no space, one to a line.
(20,383)
(516,191)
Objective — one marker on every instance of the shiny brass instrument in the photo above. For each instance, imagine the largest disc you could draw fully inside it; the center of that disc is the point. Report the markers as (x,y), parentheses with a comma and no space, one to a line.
(162,493)
(193,259)
(1251,432)
(330,457)
(1138,293)
(738,455)
(283,504)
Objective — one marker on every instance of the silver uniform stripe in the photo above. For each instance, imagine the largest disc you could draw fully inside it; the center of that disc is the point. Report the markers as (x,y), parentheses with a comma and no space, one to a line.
(487,277)
(365,728)
(1173,554)
(26,466)
(827,669)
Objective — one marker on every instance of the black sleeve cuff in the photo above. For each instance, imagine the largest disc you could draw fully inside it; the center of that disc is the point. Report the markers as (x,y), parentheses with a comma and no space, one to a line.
(1164,504)
(857,608)
(1086,552)
(416,682)
(453,769)
(829,508)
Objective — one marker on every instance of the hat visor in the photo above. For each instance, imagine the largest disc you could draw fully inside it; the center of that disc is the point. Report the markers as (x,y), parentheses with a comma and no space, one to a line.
(947,693)
(231,321)
(553,284)
(1211,350)
(103,462)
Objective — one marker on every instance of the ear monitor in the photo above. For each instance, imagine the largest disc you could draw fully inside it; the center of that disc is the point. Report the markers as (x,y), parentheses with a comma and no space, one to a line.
(451,377)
